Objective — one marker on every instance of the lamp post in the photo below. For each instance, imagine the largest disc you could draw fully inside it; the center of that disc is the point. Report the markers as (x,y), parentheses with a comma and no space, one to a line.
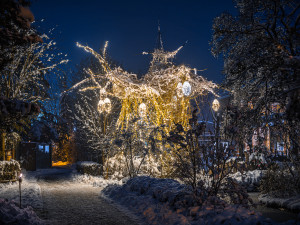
(216,107)
(20,181)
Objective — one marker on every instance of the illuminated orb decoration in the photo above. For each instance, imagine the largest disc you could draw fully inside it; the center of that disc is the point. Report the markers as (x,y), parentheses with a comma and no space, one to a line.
(104,106)
(142,110)
(100,106)
(179,90)
(186,88)
(107,105)
(215,105)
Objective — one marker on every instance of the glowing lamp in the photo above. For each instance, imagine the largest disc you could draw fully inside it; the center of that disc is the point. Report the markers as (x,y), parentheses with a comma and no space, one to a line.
(142,110)
(186,88)
(216,105)
(104,106)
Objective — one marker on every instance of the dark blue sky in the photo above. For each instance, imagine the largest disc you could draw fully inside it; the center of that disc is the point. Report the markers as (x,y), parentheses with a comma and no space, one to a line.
(131,28)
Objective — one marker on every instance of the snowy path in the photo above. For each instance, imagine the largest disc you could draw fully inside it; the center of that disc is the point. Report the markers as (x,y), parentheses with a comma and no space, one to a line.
(71,203)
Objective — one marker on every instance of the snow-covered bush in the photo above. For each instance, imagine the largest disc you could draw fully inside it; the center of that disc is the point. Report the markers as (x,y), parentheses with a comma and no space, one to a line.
(258,160)
(115,167)
(88,167)
(279,181)
(166,201)
(9,170)
(10,213)
(164,190)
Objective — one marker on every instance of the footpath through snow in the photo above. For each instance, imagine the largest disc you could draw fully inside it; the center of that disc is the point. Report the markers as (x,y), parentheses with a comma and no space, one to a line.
(61,196)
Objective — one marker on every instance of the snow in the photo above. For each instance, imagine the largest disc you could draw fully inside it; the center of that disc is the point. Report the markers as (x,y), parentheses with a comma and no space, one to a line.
(155,201)
(94,180)
(258,156)
(249,179)
(10,213)
(292,203)
(166,201)
(31,192)
(87,163)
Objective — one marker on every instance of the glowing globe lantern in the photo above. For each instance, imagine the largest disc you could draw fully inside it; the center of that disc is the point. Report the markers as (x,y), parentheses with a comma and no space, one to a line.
(215,105)
(100,106)
(107,105)
(104,106)
(186,88)
(142,110)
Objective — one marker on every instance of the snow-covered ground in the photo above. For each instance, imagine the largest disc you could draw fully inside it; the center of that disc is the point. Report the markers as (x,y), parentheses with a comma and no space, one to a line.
(251,180)
(11,213)
(60,196)
(155,201)
(30,191)
(292,203)
(165,201)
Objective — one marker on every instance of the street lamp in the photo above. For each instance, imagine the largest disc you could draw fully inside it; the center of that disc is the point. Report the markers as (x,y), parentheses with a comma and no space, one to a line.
(216,106)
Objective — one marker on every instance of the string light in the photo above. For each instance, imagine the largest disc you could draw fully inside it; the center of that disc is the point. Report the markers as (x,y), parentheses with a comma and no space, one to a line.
(156,95)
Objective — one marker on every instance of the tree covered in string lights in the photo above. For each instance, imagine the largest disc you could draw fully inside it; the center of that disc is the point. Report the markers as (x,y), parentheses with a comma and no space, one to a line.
(128,104)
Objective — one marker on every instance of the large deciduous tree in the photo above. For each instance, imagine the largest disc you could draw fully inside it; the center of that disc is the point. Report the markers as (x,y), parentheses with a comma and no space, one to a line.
(260,47)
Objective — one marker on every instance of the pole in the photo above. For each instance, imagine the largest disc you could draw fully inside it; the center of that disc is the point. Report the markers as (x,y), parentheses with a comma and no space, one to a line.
(217,131)
(20,181)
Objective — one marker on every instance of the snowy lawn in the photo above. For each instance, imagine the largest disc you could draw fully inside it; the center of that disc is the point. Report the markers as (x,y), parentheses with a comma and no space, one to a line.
(166,201)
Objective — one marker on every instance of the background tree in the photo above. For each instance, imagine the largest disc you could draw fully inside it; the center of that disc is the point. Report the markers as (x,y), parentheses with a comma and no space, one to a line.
(260,47)
(29,65)
(92,130)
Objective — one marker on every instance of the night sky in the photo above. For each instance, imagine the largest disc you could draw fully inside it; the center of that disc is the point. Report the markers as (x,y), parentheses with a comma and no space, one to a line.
(131,28)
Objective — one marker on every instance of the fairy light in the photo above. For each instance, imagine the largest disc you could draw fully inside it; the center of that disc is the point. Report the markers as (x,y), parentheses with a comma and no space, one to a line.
(179,90)
(163,94)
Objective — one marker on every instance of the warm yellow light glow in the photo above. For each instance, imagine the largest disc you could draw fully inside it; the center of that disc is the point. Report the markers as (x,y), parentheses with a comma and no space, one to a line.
(216,105)
(163,94)
(60,163)
(179,90)
(104,106)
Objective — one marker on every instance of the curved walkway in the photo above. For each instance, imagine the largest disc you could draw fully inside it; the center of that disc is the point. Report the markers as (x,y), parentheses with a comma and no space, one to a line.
(71,203)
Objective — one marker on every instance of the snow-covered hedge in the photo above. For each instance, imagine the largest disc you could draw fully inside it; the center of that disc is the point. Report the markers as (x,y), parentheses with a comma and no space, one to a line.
(250,179)
(292,203)
(165,201)
(10,213)
(9,170)
(89,167)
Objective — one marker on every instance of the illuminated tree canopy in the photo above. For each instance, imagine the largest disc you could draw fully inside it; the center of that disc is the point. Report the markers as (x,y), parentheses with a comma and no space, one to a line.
(160,97)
